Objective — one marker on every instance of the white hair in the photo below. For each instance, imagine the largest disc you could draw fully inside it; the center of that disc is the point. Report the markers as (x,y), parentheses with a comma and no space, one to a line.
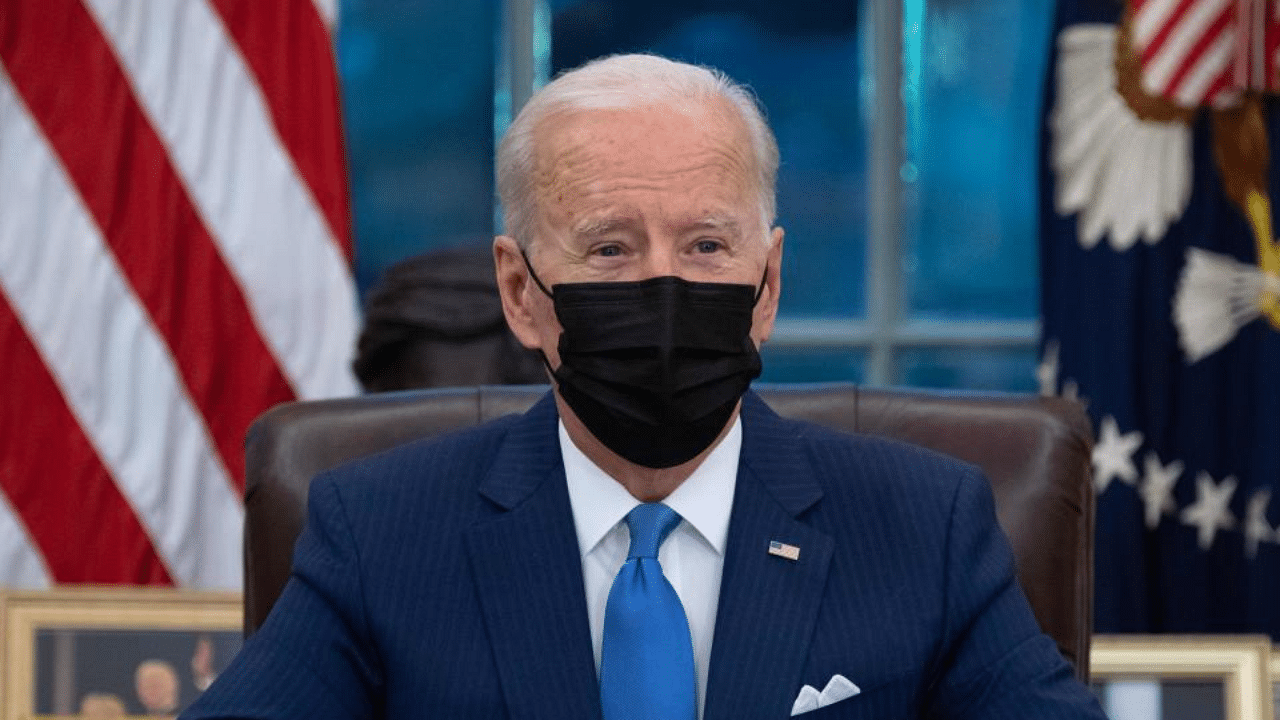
(621,82)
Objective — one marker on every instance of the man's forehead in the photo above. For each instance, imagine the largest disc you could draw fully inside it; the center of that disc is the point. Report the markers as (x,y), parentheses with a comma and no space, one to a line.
(699,162)
(606,145)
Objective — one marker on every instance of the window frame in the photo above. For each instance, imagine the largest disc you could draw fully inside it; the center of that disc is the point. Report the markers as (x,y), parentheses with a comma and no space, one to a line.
(889,328)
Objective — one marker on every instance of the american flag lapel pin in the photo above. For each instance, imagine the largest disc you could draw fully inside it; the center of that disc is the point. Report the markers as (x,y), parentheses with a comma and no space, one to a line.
(783,550)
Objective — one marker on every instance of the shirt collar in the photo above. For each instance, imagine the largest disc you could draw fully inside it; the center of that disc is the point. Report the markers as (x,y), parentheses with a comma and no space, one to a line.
(704,500)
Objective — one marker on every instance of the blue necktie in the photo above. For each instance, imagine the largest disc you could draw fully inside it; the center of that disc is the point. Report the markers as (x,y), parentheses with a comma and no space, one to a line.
(646,657)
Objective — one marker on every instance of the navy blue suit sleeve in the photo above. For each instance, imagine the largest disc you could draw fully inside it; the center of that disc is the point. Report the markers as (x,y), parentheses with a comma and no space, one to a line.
(996,664)
(313,657)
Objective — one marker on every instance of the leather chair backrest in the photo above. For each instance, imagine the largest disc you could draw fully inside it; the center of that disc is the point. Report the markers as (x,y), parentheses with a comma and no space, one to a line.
(1036,452)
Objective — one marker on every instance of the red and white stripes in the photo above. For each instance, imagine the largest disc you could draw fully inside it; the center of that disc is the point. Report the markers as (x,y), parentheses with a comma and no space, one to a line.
(1188,48)
(174,259)
(1207,52)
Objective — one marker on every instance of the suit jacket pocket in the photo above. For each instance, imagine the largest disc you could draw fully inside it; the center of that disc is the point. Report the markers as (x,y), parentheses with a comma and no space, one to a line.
(892,700)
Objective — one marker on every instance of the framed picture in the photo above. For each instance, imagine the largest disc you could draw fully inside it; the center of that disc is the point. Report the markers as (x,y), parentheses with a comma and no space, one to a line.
(1275,679)
(1172,677)
(112,652)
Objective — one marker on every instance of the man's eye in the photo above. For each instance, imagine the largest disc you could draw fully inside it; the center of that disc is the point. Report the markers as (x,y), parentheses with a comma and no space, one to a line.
(609,251)
(707,247)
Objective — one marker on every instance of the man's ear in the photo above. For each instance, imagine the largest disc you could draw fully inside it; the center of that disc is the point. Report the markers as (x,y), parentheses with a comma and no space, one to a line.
(514,285)
(767,308)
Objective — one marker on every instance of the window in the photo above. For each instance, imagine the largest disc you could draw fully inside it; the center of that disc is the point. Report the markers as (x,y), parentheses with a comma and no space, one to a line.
(909,133)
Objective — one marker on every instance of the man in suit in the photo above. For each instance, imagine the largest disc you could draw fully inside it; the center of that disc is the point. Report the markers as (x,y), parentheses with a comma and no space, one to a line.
(650,540)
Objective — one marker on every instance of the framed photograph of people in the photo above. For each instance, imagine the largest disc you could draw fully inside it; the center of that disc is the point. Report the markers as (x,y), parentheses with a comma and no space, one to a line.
(112,652)
(1183,677)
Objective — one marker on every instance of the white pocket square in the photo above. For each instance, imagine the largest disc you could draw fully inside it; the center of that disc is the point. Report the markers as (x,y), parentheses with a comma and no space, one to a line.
(838,688)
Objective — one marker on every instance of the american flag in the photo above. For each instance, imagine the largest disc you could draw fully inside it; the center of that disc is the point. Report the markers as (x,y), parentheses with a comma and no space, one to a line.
(1186,464)
(174,259)
(783,550)
(1205,52)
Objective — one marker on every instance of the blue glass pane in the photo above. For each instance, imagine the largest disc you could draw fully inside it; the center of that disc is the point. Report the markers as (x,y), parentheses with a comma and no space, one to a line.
(1003,369)
(792,364)
(803,59)
(972,81)
(1162,699)
(417,89)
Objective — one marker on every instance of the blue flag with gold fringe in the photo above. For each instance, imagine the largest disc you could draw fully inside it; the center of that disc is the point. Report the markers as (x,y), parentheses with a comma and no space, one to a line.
(1161,302)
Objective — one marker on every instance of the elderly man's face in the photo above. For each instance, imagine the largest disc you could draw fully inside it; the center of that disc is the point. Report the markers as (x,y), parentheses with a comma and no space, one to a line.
(640,193)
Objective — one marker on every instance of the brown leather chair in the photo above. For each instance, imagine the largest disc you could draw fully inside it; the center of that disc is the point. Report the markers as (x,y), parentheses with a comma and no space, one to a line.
(1036,451)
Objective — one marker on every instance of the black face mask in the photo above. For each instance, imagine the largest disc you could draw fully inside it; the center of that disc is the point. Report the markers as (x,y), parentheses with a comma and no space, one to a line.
(654,368)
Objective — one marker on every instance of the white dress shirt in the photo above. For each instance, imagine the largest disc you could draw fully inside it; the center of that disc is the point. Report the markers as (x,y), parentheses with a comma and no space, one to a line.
(692,557)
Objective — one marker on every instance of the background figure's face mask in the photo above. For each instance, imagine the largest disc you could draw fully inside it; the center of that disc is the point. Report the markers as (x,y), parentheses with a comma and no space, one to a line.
(654,368)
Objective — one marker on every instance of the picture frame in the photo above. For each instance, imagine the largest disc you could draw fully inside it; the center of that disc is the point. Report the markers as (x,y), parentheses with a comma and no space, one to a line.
(1275,679)
(1241,664)
(112,651)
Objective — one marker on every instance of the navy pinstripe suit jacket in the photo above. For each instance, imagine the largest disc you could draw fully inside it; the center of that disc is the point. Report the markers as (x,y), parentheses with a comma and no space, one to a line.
(443,579)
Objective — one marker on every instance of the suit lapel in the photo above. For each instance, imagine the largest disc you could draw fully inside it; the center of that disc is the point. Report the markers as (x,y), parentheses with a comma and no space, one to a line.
(768,604)
(528,575)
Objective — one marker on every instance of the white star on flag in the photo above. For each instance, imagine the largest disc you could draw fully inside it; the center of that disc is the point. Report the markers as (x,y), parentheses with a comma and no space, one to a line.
(1157,488)
(1209,513)
(1256,528)
(1113,455)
